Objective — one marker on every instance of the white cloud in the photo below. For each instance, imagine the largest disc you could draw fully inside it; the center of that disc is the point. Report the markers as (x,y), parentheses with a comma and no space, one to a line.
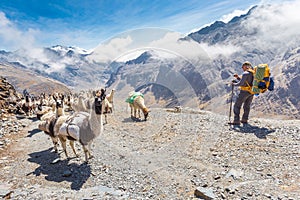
(192,50)
(111,50)
(186,49)
(168,45)
(216,50)
(3,20)
(277,25)
(228,17)
(24,44)
(12,38)
(130,55)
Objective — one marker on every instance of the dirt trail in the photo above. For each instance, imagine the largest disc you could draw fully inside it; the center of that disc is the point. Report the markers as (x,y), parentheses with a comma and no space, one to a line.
(167,157)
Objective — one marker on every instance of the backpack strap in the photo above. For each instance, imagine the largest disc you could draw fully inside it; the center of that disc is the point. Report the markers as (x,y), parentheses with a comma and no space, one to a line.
(248,88)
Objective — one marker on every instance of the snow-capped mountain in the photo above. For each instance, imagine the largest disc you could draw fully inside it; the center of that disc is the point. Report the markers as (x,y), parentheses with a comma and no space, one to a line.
(65,64)
(188,70)
(247,37)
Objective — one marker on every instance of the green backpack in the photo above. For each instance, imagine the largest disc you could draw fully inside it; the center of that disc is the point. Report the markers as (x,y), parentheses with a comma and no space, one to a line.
(262,80)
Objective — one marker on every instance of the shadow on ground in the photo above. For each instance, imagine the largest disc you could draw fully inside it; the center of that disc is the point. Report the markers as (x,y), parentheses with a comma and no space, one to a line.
(259,132)
(59,171)
(132,119)
(32,118)
(33,132)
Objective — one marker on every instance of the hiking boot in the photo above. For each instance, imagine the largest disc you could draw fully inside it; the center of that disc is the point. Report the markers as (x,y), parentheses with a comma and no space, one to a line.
(234,123)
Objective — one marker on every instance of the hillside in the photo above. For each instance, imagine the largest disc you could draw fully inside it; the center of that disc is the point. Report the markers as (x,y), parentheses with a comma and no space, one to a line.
(174,80)
(170,156)
(190,70)
(67,65)
(35,84)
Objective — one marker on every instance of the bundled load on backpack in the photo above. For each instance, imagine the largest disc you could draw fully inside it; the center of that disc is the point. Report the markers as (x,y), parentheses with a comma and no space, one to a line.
(262,80)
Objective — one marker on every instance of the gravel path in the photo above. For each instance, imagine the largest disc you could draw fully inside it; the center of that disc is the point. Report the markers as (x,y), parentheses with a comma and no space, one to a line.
(171,156)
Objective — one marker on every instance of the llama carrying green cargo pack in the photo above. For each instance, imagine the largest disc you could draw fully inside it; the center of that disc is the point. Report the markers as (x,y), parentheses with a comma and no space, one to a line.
(262,80)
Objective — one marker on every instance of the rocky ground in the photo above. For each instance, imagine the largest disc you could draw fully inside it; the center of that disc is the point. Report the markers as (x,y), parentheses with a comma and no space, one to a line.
(187,155)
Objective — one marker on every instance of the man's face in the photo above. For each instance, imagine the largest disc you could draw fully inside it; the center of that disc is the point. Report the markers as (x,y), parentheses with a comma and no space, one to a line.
(244,67)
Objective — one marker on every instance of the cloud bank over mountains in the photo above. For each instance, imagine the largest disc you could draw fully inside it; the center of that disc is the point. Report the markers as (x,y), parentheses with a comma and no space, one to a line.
(207,58)
(274,26)
(12,36)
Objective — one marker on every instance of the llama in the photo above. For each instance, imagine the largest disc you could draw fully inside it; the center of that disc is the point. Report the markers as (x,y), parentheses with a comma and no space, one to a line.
(84,127)
(59,104)
(43,99)
(43,112)
(51,126)
(51,101)
(27,105)
(110,98)
(46,107)
(79,105)
(136,102)
(69,101)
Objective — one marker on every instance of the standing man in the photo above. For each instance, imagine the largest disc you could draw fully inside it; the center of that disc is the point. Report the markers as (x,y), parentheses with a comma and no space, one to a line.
(245,96)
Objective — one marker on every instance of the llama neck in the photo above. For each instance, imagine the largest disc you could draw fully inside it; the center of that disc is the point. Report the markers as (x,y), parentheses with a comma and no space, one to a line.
(81,104)
(60,112)
(96,121)
(111,96)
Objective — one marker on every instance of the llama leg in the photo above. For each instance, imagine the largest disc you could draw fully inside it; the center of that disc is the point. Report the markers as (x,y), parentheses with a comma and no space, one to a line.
(73,147)
(90,154)
(55,143)
(105,118)
(86,153)
(135,110)
(131,110)
(63,141)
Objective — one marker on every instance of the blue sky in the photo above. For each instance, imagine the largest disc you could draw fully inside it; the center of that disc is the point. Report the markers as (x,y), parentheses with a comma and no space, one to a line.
(87,23)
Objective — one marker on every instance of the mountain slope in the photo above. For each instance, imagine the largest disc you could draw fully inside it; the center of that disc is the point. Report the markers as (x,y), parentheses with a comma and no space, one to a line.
(252,37)
(26,79)
(200,68)
(65,64)
(219,31)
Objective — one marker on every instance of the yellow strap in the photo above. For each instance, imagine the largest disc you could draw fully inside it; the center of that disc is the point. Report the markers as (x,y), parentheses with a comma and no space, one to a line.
(247,88)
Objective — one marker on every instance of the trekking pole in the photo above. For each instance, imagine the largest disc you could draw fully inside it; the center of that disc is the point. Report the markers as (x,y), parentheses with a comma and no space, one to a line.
(231,99)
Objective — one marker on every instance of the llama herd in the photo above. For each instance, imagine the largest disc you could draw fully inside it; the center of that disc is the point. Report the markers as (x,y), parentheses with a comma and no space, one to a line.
(75,118)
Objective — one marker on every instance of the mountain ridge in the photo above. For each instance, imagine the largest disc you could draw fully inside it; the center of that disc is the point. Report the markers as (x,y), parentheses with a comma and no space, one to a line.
(227,46)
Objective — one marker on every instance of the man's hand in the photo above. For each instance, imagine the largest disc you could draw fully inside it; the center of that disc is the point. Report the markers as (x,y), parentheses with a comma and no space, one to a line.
(237,77)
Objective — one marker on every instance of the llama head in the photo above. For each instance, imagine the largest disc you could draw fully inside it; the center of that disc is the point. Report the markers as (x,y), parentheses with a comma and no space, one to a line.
(146,113)
(27,98)
(59,105)
(59,102)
